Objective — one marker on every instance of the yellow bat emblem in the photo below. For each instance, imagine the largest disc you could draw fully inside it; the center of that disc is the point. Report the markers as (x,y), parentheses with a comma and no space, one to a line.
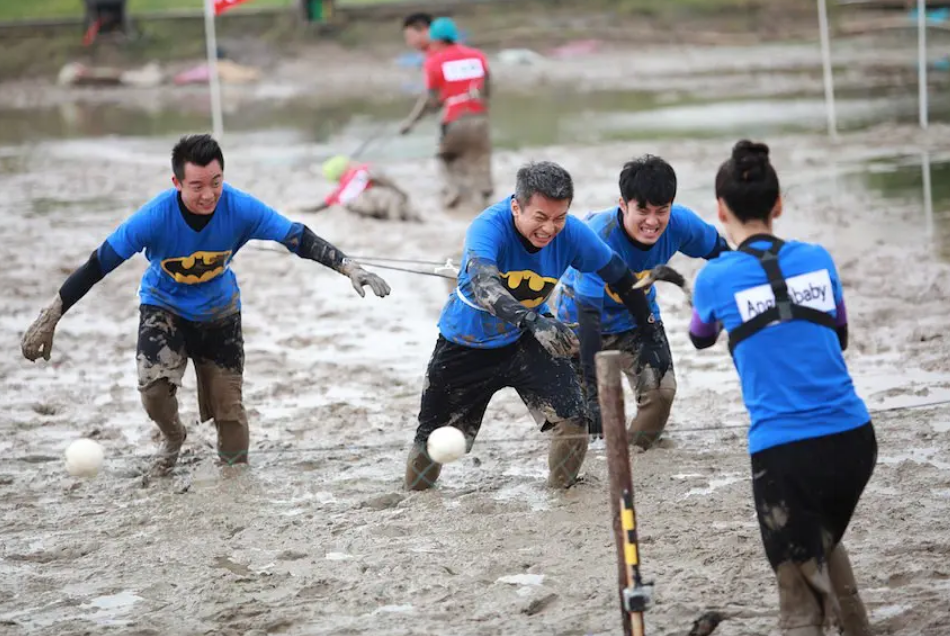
(200,267)
(640,276)
(528,288)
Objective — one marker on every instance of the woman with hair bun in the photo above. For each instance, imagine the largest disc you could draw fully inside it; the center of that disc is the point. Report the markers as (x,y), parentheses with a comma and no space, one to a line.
(811,440)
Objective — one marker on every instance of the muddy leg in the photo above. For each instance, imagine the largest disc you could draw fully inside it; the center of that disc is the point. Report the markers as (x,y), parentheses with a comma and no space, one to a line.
(550,389)
(220,397)
(566,455)
(218,351)
(800,611)
(654,395)
(460,382)
(161,362)
(853,616)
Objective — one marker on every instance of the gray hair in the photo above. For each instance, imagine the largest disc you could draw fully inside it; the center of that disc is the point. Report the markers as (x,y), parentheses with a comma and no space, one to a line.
(545,178)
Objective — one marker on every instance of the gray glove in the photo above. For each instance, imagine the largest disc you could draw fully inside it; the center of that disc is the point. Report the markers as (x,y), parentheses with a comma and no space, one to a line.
(360,277)
(553,335)
(38,339)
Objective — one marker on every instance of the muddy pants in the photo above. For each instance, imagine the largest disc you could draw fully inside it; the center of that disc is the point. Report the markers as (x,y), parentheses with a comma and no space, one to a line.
(460,382)
(805,494)
(654,395)
(381,202)
(465,161)
(166,342)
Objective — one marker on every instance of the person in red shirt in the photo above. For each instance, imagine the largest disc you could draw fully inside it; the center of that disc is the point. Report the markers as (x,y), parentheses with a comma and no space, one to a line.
(415,30)
(457,81)
(364,190)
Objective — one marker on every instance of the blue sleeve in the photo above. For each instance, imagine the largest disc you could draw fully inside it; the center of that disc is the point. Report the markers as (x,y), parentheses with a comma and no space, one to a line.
(590,252)
(483,240)
(134,235)
(698,239)
(263,222)
(108,258)
(704,297)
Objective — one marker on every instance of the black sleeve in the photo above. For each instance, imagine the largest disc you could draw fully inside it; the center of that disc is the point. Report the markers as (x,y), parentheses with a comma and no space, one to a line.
(491,294)
(304,243)
(100,263)
(589,334)
(621,281)
(721,246)
(843,336)
(703,342)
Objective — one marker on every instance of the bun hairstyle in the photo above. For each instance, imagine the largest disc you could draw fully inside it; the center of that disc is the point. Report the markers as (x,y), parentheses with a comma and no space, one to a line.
(747,182)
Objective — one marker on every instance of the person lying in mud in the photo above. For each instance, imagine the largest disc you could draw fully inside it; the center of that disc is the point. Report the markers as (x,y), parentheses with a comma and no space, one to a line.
(190,300)
(812,444)
(646,230)
(495,331)
(366,191)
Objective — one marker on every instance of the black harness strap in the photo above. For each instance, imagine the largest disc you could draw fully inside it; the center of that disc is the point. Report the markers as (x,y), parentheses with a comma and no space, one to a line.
(784,309)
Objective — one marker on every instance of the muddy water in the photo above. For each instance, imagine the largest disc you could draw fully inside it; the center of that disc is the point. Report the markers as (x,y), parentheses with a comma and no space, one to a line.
(316,537)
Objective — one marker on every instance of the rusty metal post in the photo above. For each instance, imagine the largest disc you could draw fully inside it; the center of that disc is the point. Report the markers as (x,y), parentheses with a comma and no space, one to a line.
(613,416)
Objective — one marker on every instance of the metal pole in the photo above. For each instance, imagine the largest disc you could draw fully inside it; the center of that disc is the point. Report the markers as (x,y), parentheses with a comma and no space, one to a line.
(214,82)
(610,393)
(826,69)
(922,60)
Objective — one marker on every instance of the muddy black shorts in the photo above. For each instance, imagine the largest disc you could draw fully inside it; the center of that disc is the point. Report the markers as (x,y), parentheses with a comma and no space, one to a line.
(461,381)
(806,491)
(166,342)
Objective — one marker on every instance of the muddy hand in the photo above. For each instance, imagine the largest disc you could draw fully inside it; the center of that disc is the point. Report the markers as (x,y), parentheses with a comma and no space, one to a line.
(653,352)
(360,277)
(554,336)
(38,339)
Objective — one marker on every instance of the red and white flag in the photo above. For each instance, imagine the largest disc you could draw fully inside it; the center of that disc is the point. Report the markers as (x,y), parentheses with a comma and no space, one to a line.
(220,6)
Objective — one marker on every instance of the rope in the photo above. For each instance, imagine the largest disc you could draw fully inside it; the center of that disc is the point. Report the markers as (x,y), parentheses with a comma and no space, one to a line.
(337,448)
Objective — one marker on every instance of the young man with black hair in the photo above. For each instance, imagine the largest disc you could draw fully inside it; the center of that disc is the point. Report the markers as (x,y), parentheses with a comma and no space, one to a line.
(495,331)
(457,81)
(415,30)
(646,229)
(190,300)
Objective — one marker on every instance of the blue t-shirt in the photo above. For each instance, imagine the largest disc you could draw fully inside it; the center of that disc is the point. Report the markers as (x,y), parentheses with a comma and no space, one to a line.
(189,271)
(529,276)
(686,233)
(795,382)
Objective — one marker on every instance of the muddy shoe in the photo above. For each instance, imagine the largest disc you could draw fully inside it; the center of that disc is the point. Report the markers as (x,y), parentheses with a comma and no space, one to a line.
(566,455)
(168,454)
(421,471)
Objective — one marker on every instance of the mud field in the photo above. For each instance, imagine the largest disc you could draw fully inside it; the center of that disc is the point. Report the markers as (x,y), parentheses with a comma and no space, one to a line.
(317,537)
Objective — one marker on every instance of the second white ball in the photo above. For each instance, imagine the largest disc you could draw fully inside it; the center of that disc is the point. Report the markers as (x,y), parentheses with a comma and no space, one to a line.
(446,444)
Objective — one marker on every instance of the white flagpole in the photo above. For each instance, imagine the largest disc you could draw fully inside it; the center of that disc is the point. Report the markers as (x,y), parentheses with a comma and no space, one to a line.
(826,68)
(213,79)
(922,60)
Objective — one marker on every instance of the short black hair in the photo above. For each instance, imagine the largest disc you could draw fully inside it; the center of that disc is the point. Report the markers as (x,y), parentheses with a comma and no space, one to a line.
(545,178)
(417,21)
(648,180)
(197,149)
(748,183)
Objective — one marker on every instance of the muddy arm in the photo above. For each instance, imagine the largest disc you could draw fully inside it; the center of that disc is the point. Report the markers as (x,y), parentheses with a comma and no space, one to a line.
(427,102)
(304,243)
(491,294)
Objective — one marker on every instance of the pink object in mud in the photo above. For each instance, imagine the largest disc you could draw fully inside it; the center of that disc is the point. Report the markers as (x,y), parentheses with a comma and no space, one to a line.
(197,75)
(576,48)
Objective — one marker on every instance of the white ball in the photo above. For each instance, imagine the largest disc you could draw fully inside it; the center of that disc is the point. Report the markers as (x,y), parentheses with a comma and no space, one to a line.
(84,458)
(446,444)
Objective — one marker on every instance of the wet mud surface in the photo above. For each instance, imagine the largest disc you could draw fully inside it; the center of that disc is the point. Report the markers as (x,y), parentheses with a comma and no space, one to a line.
(316,536)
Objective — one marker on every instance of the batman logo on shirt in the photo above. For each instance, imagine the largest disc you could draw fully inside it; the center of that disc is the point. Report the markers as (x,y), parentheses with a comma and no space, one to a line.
(200,267)
(616,298)
(528,288)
